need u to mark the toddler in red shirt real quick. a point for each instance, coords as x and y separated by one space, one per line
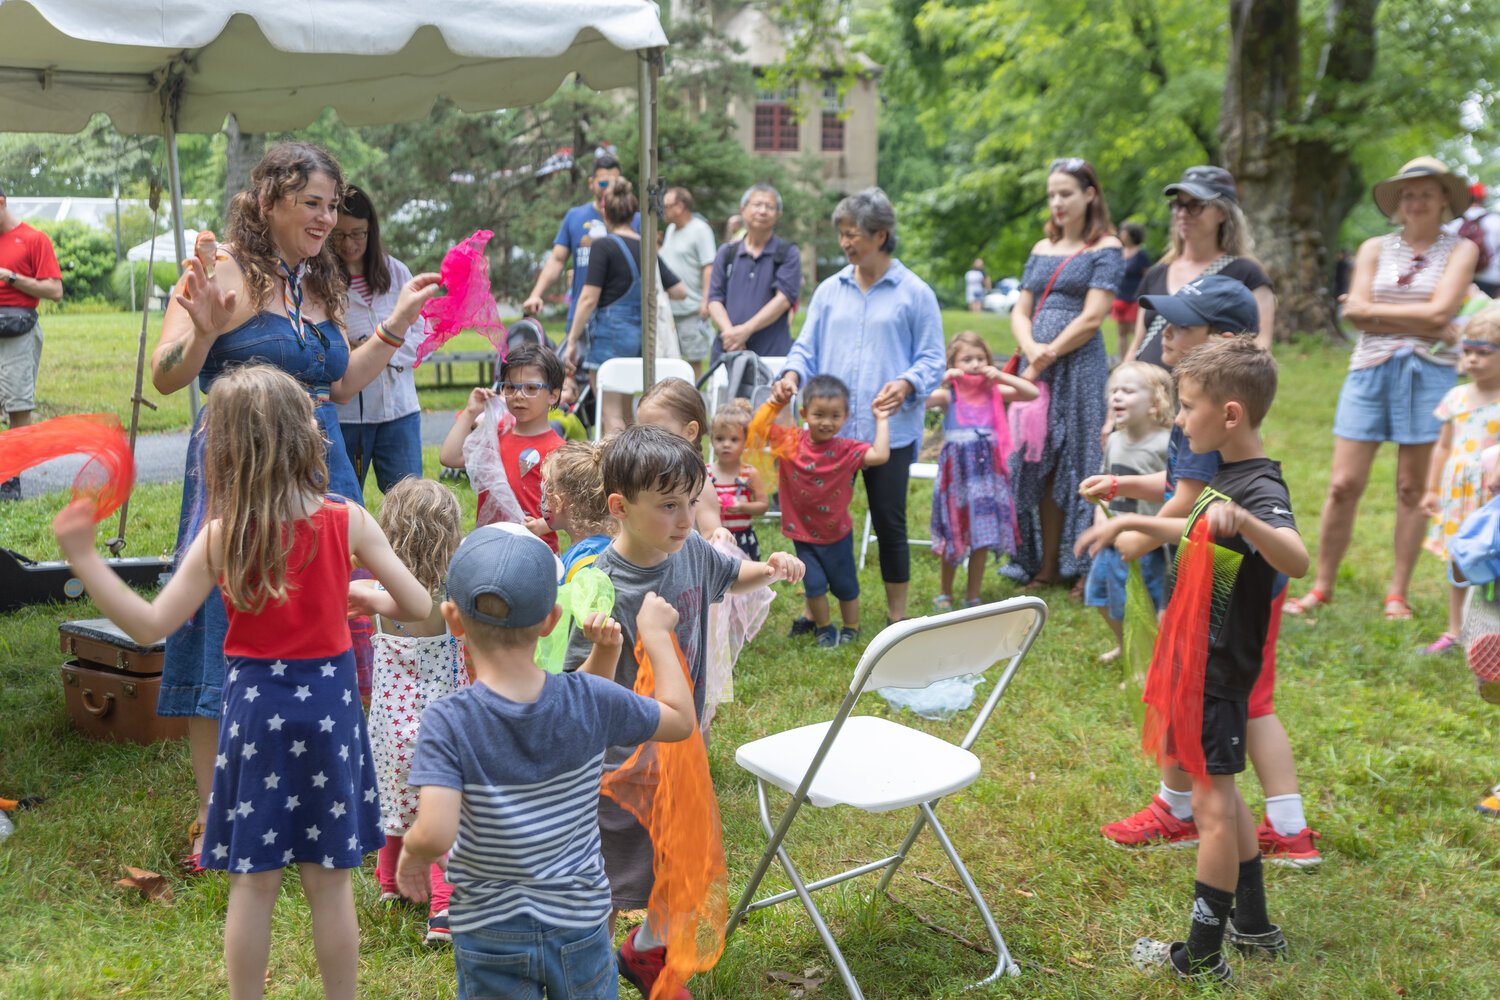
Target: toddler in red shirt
530 380
816 487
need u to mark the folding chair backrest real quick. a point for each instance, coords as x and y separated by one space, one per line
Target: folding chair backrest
920 651
627 375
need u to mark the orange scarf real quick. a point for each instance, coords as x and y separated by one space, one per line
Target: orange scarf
1174 685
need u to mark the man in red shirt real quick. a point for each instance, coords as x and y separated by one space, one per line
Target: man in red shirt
28 273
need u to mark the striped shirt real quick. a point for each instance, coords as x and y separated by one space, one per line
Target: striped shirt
528 829
1404 278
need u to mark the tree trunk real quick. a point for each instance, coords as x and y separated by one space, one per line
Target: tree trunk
1296 185
240 157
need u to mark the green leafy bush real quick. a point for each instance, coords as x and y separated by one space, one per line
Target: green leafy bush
86 257
165 275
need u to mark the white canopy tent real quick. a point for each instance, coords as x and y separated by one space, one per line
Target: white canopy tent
172 66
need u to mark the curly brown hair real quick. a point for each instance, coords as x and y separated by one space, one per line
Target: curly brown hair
572 474
284 170
424 524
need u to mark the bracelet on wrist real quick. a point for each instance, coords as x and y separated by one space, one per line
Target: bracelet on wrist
387 336
1114 488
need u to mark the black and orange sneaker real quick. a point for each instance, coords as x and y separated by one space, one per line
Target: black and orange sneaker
642 967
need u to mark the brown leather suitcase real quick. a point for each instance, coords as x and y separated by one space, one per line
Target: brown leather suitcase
100 642
107 704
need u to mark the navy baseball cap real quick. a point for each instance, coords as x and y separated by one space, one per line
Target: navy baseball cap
1217 300
513 564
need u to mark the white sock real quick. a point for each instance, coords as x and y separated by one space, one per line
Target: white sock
1181 803
645 940
1285 814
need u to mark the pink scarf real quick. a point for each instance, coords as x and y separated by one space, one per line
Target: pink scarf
977 402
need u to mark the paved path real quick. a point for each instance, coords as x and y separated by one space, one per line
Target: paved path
159 458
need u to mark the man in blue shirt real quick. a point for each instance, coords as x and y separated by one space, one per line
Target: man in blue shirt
581 226
755 282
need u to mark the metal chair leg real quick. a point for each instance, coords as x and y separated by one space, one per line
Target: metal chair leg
855 993
901 852
1004 964
773 846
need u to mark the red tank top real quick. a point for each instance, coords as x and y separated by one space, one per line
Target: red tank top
311 622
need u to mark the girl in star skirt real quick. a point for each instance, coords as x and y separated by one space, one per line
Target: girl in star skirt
293 778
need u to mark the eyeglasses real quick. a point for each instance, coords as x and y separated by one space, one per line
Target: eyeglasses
1192 209
526 390
354 236
1067 164
1410 274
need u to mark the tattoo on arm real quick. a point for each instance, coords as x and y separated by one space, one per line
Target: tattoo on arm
171 359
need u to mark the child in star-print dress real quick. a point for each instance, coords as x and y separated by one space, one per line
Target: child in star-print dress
416 662
293 778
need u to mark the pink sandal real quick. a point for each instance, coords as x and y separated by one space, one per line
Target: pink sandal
1442 644
1309 601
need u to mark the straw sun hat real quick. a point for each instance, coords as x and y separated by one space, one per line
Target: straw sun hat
1387 193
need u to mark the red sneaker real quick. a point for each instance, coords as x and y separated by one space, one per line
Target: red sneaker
1289 852
1153 826
642 967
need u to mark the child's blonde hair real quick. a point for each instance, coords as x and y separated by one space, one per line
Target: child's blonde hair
1157 383
734 415
424 524
1483 325
679 398
968 338
263 458
572 472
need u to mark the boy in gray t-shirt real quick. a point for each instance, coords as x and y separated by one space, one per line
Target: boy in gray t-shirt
652 478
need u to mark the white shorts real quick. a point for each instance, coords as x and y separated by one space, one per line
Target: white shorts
20 357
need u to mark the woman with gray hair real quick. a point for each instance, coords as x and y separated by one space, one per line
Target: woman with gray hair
876 326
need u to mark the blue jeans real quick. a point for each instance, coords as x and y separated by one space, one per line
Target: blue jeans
394 448
519 957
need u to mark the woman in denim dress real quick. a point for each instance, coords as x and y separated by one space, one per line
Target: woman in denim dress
271 295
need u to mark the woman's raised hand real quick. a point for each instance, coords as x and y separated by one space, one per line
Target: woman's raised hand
207 305
414 295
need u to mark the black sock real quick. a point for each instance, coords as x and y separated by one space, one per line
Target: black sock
1211 908
1250 899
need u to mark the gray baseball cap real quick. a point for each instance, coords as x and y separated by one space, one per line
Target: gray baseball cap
1205 183
513 564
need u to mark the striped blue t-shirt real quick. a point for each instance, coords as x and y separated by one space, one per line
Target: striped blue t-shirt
528 832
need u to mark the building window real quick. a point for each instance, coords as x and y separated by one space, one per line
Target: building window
833 132
776 121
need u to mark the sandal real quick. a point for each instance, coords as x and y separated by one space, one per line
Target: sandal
1309 601
1034 584
943 602
1442 644
1397 610
190 862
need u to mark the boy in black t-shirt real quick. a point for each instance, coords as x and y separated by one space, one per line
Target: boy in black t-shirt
1224 390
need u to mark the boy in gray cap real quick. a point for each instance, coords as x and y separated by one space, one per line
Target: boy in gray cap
508 773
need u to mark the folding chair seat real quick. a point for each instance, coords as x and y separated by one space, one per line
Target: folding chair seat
879 766
628 377
919 470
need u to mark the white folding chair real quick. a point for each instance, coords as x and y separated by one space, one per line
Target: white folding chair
877 765
628 377
919 470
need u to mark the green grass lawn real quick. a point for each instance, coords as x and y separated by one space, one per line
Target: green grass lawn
1393 751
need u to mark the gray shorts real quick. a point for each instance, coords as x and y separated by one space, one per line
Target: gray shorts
694 336
20 357
627 851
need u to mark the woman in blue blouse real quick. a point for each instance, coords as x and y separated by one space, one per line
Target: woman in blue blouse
273 294
876 326
1066 293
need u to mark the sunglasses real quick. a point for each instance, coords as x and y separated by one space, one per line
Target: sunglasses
1067 164
1192 209
1410 274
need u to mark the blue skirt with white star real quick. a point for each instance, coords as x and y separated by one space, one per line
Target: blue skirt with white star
294 781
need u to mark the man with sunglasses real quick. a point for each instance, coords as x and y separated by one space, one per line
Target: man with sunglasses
581 226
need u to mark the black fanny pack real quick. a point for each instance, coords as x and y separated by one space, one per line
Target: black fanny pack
16 320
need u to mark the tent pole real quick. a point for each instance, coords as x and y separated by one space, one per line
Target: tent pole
174 184
650 201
